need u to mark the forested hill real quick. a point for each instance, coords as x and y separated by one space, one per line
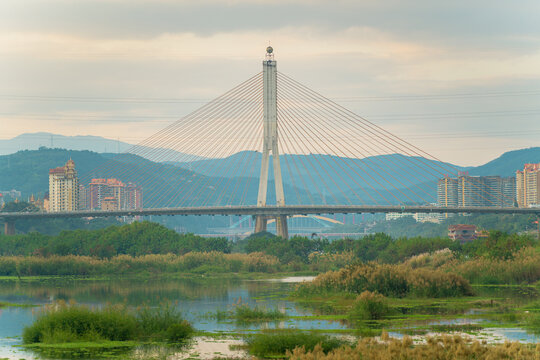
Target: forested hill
508 163
27 171
163 184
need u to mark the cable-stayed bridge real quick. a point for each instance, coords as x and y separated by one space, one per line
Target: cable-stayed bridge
273 148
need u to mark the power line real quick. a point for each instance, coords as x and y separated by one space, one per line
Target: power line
160 100
167 118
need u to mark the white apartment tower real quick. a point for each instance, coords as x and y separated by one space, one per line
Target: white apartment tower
64 188
528 185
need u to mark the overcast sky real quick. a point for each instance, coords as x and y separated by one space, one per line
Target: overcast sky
460 79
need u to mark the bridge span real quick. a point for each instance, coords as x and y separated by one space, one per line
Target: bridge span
267 211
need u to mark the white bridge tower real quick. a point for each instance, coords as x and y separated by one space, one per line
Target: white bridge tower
270 145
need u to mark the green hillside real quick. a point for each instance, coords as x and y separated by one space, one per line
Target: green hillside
508 163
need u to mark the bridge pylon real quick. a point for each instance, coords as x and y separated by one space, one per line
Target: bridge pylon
9 227
270 145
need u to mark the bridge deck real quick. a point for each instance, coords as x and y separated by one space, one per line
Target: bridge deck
271 211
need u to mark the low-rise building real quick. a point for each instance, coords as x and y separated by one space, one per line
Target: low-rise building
462 232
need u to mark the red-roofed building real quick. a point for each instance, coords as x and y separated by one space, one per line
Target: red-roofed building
462 232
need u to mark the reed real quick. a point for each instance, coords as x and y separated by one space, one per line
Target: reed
388 280
194 262
445 347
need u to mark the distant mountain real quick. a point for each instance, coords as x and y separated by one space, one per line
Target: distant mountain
162 184
34 141
508 163
308 179
317 172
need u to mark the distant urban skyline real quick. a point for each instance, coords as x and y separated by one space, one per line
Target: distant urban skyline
460 80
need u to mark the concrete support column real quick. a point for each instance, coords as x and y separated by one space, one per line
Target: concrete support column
260 223
9 227
282 229
538 226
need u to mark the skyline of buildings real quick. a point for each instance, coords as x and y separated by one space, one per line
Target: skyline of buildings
481 191
110 194
66 193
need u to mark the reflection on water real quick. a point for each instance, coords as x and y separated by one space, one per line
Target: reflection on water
197 298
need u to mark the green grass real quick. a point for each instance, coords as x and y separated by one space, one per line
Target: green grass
61 323
277 343
8 304
84 349
370 306
245 313
85 344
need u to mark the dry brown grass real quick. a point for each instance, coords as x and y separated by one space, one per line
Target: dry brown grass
389 280
524 267
330 261
443 348
203 262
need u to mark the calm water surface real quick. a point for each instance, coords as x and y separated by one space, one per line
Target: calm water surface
197 298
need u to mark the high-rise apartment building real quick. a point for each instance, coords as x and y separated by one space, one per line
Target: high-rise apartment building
508 185
64 188
133 196
447 194
118 195
528 185
82 197
481 191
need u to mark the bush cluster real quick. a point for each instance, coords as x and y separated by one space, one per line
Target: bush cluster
278 343
522 268
370 306
388 280
62 323
215 262
246 313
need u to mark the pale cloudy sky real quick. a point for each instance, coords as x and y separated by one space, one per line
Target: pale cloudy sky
460 79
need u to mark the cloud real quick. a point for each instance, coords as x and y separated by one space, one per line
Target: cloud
345 50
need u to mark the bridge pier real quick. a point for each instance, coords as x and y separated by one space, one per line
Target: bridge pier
282 229
260 223
9 227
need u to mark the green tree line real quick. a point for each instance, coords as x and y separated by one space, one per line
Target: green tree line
138 238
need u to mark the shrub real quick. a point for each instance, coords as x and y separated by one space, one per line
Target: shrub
155 322
388 280
179 332
370 306
244 313
278 343
523 267
61 323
